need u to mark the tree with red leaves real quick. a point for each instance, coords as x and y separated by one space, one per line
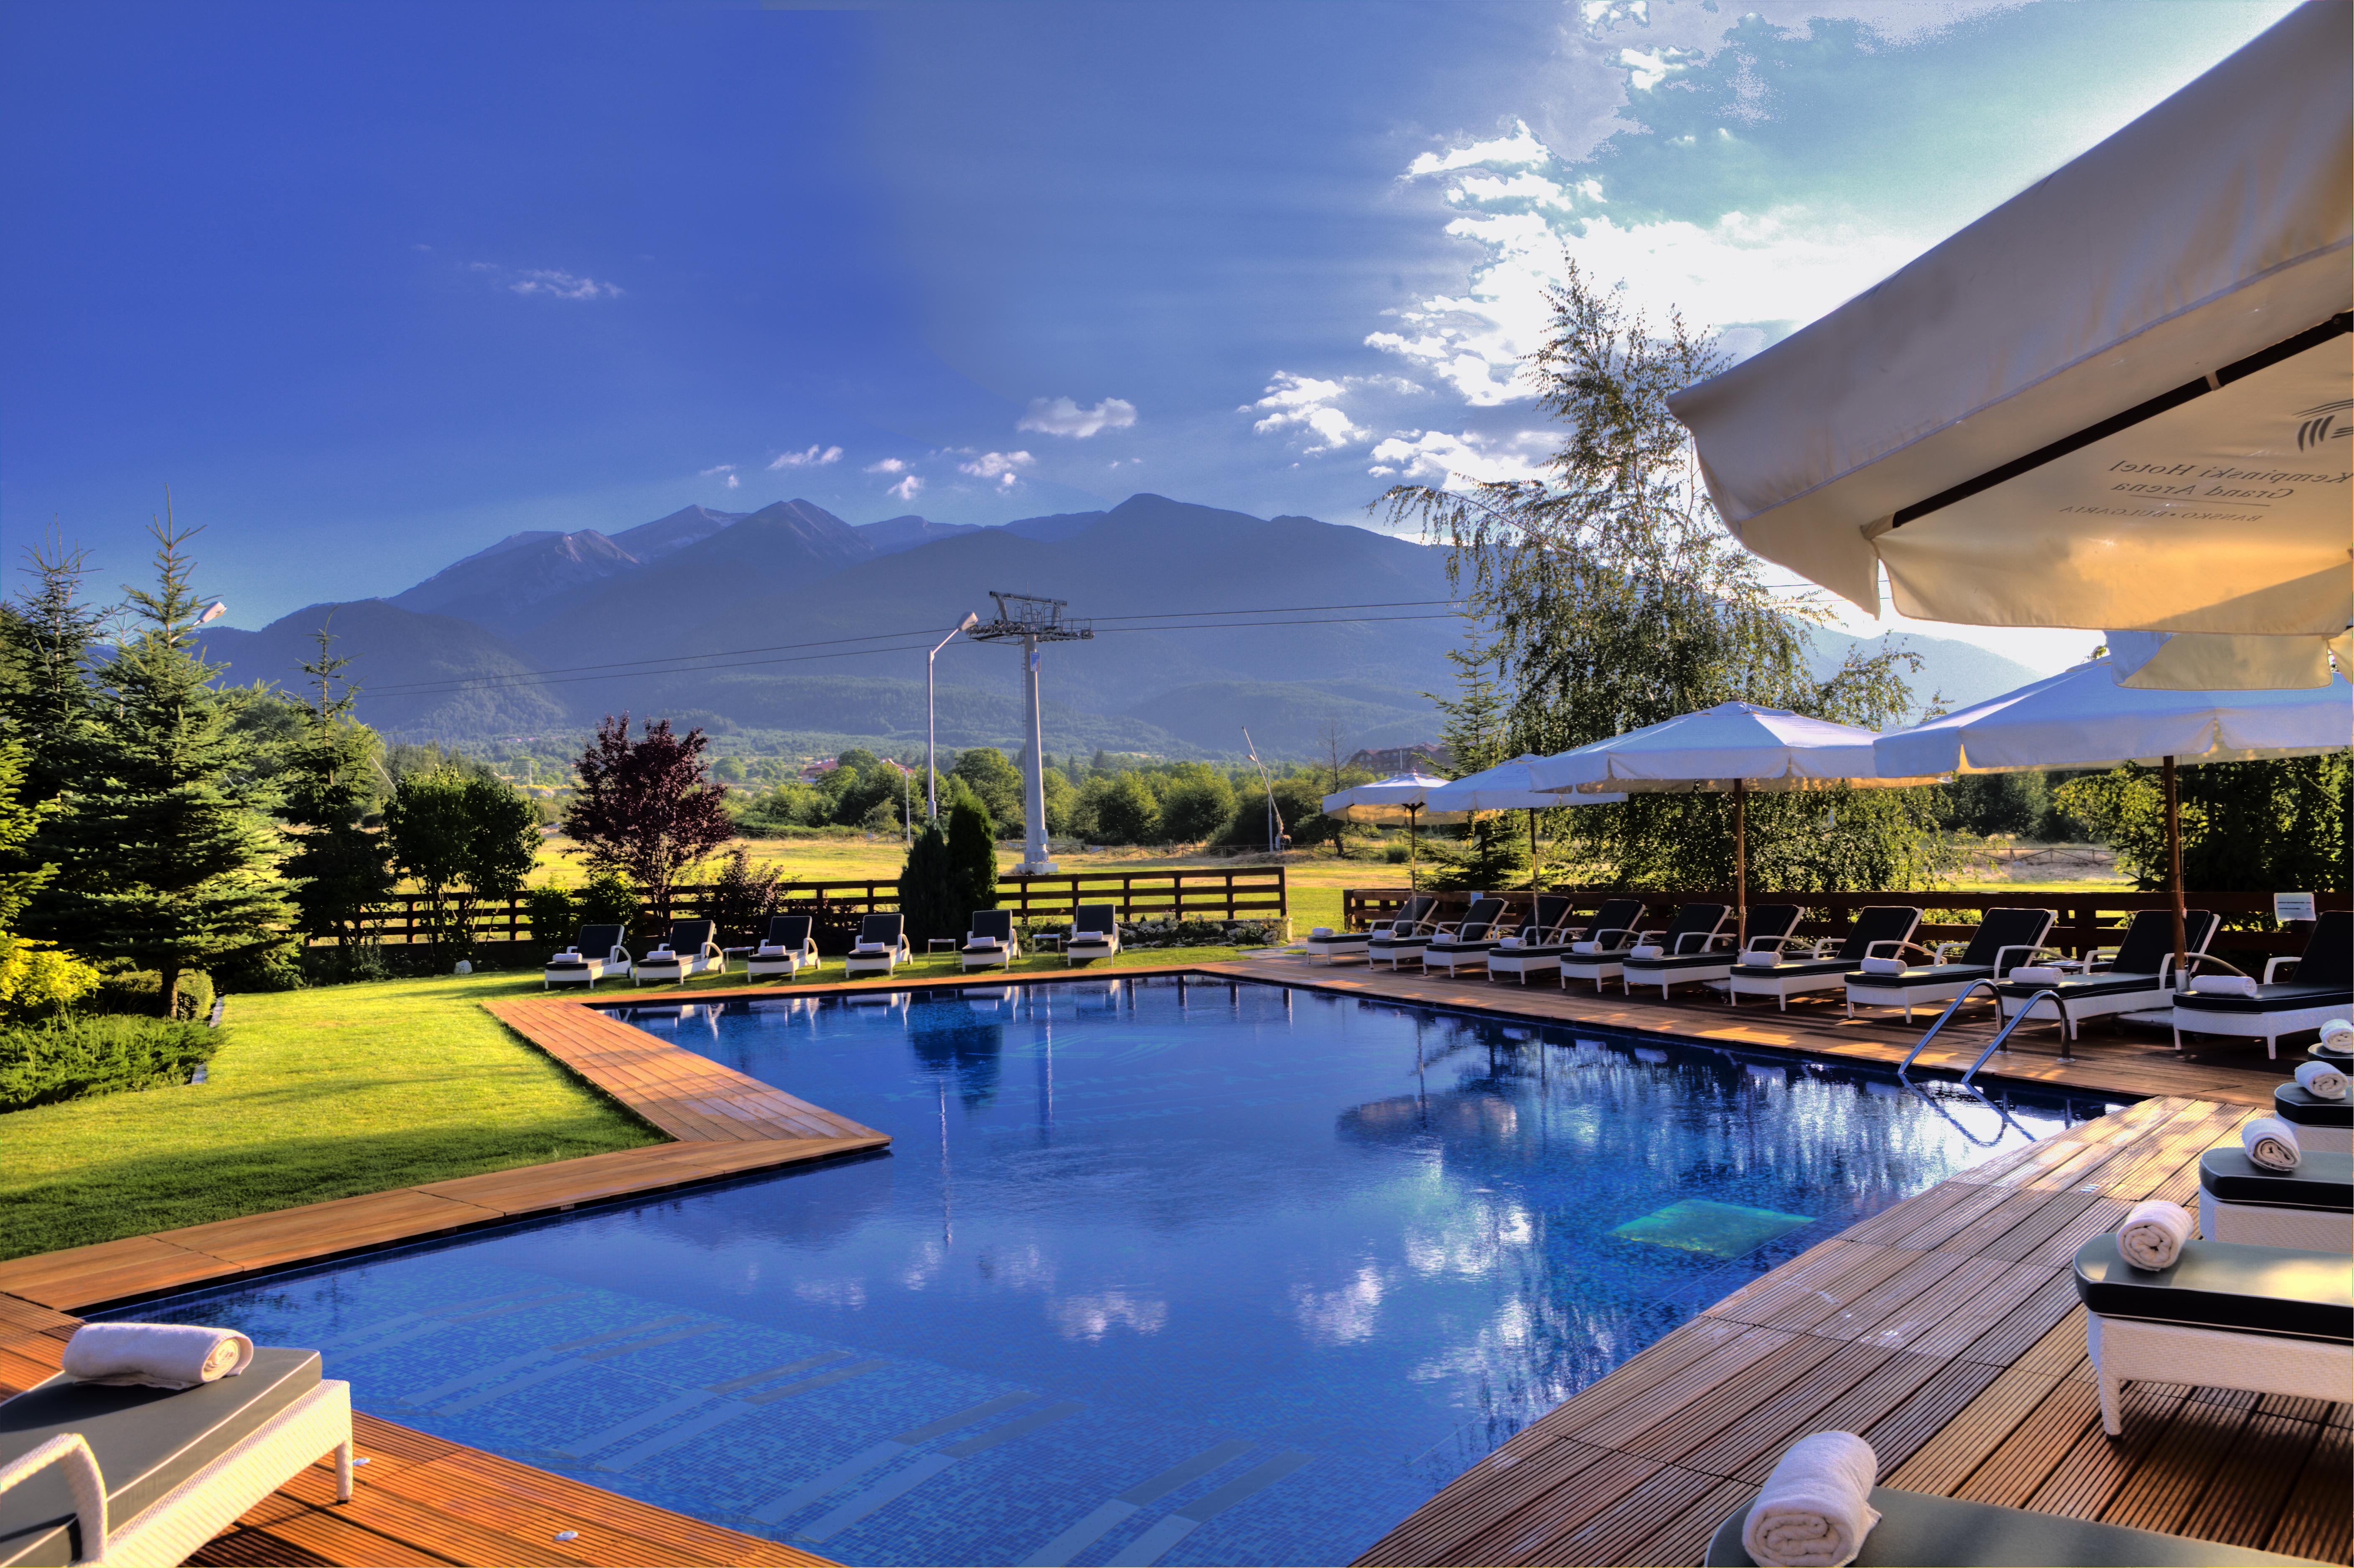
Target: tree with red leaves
648 808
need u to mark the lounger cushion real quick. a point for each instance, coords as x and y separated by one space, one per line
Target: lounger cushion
2294 1103
2323 1182
1925 974
1717 959
2106 984
1448 945
1797 967
2284 996
1927 1532
2224 1284
147 1441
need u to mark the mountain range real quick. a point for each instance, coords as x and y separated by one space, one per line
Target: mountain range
1204 621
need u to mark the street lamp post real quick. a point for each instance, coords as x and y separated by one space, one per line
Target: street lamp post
931 725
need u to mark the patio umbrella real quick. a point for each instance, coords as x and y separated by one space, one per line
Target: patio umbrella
1396 799
2083 718
1732 749
2118 400
1506 787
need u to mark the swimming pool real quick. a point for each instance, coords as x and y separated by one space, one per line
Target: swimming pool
1173 1271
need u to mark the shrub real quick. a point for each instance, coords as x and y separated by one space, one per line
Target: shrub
972 855
742 898
69 1058
553 911
37 980
607 898
133 991
930 889
1148 934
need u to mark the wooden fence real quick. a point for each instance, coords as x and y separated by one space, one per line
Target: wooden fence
1249 892
2088 920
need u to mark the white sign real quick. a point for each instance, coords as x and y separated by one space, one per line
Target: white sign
2287 907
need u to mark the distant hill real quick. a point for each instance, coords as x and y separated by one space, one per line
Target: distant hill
1953 672
1205 621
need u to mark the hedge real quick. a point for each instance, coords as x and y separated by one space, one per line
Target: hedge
69 1058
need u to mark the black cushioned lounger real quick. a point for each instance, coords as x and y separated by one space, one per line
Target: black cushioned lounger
1768 924
2308 1112
2005 939
2321 1181
1917 1530
147 1442
2140 978
2320 987
2216 1285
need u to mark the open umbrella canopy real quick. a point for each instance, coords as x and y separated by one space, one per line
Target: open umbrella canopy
1507 786
1712 750
1398 799
2119 399
2082 718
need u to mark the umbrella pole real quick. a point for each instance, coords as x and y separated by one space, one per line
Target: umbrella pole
1533 850
1412 881
2174 866
1740 861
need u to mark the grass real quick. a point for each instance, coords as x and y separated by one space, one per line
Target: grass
330 1093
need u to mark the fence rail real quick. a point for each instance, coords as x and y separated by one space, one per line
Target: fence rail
2088 920
1249 892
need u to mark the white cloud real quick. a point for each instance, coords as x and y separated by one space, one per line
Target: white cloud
1003 466
1646 70
815 457
1459 461
1310 407
562 285
906 489
1062 417
1519 148
726 467
888 465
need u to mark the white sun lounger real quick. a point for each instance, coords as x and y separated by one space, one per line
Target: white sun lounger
2311 1207
1095 934
596 953
786 951
989 943
2319 987
882 946
2139 978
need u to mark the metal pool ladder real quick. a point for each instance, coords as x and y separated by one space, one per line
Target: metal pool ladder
2067 1032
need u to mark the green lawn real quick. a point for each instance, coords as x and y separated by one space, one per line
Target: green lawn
326 1094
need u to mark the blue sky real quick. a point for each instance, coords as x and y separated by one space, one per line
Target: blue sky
369 287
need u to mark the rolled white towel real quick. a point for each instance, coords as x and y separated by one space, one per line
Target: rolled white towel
2321 1080
2271 1143
2154 1232
155 1355
1645 950
1586 947
1508 942
769 950
1883 966
871 947
2337 1036
2036 974
1322 931
1816 1507
2223 985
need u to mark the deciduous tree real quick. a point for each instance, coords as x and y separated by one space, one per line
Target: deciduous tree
463 838
647 807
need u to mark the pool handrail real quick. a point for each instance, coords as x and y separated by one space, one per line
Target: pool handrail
2058 1002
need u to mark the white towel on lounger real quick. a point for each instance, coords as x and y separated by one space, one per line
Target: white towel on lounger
1883 966
1586 947
1646 951
2321 1080
1322 931
2271 1143
1816 1507
2036 974
155 1355
2223 985
2153 1233
2337 1034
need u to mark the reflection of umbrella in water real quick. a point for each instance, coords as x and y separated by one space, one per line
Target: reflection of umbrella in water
1470 1118
950 1040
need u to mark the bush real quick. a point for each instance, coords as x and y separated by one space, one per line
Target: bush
607 898
742 898
1127 813
36 980
1148 934
360 963
552 914
41 1064
262 970
1195 805
1396 853
140 992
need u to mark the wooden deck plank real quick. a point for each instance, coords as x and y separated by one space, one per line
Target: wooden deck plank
2167 1486
2244 1500
2318 1517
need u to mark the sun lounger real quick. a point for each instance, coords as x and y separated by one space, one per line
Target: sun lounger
693 949
882 946
989 943
1539 943
2006 939
1693 929
1331 945
149 1475
1882 930
2139 977
1407 936
2319 986
2264 1318
2310 1208
1541 952
785 951
2325 1127
1467 945
1918 1531
1713 958
1095 934
594 954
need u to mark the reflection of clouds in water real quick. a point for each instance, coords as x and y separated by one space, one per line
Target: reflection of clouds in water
844 1293
1090 1318
1020 1268
923 1265
1341 1317
1476 1239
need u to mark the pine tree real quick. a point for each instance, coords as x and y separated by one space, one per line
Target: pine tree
46 638
169 860
973 853
339 868
930 888
1492 854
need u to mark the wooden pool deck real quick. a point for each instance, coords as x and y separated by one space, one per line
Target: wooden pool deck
1944 1328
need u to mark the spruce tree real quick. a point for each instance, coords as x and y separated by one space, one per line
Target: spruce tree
169 860
930 890
973 853
1490 855
339 868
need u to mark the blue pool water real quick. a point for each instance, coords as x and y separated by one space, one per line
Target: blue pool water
1157 1270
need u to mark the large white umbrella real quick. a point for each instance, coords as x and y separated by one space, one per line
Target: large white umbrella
2083 718
1507 786
1733 747
2118 400
1398 799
